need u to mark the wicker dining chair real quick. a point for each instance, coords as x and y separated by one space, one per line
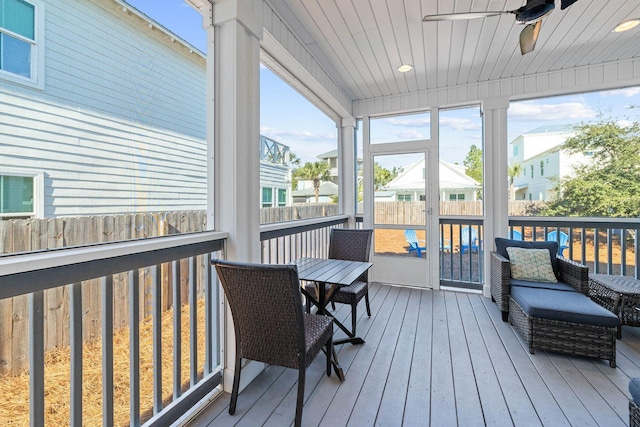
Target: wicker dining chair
269 323
350 245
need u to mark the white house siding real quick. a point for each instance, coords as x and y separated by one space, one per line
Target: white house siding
120 125
558 164
542 145
452 181
275 176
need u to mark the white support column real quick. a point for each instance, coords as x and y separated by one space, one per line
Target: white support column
347 175
238 28
496 191
236 133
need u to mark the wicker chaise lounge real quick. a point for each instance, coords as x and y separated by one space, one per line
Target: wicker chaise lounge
553 316
634 409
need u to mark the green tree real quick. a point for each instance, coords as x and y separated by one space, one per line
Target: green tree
513 171
609 185
294 162
382 176
316 172
473 163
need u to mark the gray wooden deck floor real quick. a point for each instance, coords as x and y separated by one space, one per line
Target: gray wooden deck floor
440 358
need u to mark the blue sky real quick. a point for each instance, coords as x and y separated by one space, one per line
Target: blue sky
288 118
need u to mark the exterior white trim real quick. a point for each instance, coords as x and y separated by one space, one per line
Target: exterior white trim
36 80
38 186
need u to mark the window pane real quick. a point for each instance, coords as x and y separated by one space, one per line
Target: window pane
412 127
310 170
461 161
17 16
17 194
15 55
282 197
398 178
267 197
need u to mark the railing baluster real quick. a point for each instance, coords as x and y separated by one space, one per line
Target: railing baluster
609 254
157 338
76 343
134 347
583 236
596 250
107 351
623 254
636 244
209 331
570 242
177 330
193 320
36 358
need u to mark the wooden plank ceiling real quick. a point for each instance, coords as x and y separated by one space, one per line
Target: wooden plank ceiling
362 42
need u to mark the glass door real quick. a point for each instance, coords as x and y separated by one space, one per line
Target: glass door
401 213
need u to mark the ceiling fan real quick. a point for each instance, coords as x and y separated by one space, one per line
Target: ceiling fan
530 14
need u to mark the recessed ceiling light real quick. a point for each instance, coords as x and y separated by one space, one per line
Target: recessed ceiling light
405 67
626 25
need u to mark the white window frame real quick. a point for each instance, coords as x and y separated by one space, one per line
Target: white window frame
37 52
38 191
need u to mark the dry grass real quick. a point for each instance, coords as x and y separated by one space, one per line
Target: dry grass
14 410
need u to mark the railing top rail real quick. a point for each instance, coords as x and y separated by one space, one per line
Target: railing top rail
70 265
472 220
575 222
279 229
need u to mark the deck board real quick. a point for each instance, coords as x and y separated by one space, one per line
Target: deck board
439 358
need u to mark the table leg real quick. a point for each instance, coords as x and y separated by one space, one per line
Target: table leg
323 301
336 366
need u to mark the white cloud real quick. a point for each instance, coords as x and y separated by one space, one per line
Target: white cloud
546 112
627 93
408 134
412 122
459 124
279 134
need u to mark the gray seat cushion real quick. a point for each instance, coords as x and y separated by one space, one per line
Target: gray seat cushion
571 307
502 245
634 389
542 285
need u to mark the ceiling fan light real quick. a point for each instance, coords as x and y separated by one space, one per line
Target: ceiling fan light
405 68
626 25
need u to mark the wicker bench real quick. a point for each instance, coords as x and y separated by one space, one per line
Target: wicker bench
556 317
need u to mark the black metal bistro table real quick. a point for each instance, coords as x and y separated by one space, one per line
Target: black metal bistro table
335 273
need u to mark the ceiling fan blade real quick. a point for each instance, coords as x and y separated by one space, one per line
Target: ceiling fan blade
529 36
462 15
566 3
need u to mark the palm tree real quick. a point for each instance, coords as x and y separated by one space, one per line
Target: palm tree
513 171
318 172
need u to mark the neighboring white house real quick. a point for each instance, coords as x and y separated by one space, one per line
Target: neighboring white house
275 174
306 193
408 186
543 163
331 157
107 117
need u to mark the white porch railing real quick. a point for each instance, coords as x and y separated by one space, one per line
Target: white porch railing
34 274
